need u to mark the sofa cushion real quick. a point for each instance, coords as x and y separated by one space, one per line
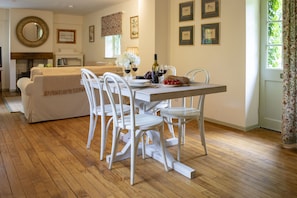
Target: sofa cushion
98 70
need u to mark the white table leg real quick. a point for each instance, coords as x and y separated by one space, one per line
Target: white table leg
153 151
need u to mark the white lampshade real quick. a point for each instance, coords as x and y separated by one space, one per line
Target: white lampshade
133 50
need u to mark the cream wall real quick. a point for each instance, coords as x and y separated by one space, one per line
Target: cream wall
154 32
15 16
94 51
4 43
230 63
9 42
68 22
147 34
234 62
54 22
252 68
162 31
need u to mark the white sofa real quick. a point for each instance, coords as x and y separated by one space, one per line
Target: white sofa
56 93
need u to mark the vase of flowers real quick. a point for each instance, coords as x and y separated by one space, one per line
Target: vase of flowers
129 61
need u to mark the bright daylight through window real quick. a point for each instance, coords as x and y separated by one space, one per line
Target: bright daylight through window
112 46
274 34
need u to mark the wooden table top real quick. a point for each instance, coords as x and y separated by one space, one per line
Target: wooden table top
159 92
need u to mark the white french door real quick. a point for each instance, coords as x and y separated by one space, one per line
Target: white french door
271 99
271 68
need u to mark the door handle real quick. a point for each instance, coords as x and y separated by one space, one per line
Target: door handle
281 75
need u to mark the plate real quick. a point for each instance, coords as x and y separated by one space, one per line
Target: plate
139 81
171 85
140 85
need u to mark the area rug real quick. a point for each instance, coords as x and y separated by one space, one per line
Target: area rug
14 104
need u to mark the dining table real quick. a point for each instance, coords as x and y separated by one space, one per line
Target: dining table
147 97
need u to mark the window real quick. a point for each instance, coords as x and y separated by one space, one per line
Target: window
274 34
112 46
111 30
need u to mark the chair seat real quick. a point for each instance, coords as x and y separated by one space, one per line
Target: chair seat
143 121
108 109
178 112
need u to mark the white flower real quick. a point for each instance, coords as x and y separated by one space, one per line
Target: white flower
128 58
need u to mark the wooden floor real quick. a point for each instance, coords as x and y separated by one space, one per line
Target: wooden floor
50 159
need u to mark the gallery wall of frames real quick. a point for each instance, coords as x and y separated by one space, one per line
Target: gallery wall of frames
210 32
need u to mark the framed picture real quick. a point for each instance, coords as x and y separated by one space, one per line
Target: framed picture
91 33
186 35
210 8
66 36
186 11
134 28
210 33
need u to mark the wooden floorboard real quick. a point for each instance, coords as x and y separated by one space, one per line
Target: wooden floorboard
50 159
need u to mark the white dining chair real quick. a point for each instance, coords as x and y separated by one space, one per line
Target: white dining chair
179 116
136 123
98 107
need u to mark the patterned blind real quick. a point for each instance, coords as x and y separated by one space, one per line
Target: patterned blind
111 24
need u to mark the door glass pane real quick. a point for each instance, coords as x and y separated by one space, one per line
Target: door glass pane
275 57
274 33
274 10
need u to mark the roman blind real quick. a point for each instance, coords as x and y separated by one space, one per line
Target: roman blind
111 24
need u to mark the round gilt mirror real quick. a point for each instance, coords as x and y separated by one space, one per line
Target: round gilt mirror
32 31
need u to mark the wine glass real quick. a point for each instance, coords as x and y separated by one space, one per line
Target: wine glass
165 68
134 68
127 70
161 72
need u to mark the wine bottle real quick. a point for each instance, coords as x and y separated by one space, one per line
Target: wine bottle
155 68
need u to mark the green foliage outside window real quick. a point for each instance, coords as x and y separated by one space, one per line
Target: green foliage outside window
274 42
